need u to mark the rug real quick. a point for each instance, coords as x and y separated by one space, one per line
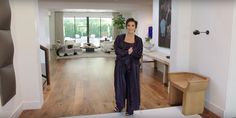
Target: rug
169 112
84 54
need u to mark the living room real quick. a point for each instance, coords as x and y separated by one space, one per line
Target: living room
182 13
54 18
212 55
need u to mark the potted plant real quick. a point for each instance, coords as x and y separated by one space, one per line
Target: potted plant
119 22
149 44
148 39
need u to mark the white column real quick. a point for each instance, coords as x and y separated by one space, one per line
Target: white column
230 95
25 20
180 35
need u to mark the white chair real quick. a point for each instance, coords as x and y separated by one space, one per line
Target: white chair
69 47
77 48
107 46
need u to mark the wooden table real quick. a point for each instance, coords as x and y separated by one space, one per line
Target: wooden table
158 57
89 48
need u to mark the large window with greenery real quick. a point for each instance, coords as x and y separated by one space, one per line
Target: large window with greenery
94 27
106 28
81 29
69 29
75 28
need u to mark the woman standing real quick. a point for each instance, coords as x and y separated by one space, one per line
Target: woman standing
128 49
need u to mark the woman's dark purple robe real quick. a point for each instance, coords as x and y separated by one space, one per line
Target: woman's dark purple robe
126 73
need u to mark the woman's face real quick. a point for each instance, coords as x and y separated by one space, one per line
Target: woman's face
131 27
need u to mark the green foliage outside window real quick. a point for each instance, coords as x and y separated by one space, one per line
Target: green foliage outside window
95 27
69 28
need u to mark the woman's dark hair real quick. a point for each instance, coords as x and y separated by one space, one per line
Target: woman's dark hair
131 20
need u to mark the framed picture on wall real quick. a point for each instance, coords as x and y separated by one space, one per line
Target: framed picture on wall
164 23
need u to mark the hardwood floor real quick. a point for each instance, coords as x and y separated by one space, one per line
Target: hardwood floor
85 86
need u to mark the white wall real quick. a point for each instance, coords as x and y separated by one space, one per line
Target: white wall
61 5
180 35
230 95
27 49
52 28
26 59
143 13
89 14
209 54
44 29
144 18
44 35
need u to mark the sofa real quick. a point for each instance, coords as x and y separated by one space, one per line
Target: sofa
70 47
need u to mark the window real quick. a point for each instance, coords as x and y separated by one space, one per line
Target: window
69 31
106 28
81 29
94 31
75 28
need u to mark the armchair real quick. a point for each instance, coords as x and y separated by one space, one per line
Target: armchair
189 89
107 46
69 48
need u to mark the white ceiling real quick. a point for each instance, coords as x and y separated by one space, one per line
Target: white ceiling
102 5
149 2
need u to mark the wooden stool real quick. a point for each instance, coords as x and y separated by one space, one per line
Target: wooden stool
188 89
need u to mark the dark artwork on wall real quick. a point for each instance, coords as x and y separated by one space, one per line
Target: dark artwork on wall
7 74
164 23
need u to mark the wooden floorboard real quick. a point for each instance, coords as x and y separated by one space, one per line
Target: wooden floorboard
85 86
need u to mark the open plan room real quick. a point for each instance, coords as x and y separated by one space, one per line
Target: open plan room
117 58
85 86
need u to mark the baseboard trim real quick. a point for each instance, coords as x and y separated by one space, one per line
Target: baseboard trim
25 106
215 109
17 112
31 105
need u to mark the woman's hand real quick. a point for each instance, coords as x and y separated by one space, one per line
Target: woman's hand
130 50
